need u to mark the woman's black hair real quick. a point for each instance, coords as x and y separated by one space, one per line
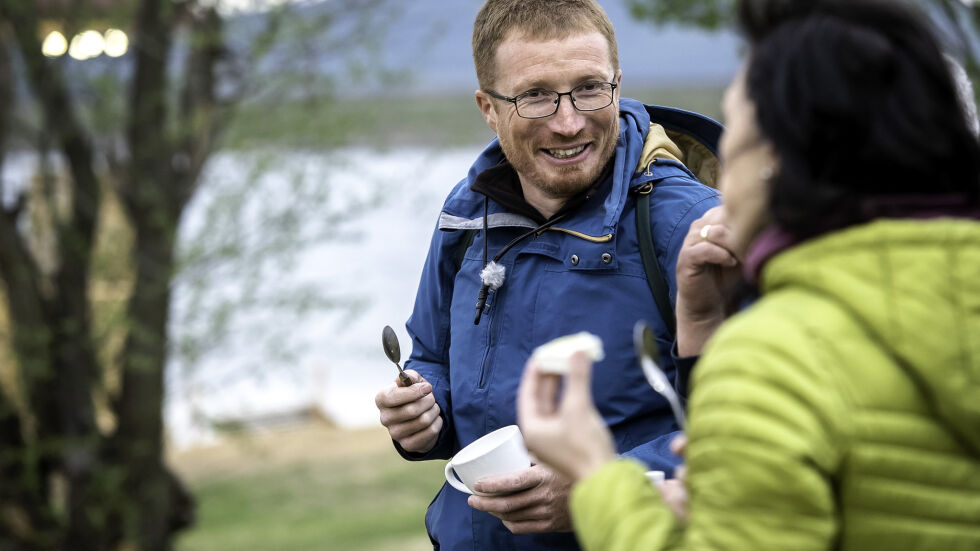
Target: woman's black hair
859 104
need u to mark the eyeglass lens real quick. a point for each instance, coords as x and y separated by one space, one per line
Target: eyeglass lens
587 97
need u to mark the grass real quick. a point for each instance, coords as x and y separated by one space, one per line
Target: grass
365 500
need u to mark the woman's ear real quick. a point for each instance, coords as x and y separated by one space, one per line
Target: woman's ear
770 163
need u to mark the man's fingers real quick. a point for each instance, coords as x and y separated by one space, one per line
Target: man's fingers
395 396
406 412
519 506
422 440
414 376
509 483
418 423
530 527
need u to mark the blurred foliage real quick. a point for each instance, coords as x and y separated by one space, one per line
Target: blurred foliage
707 14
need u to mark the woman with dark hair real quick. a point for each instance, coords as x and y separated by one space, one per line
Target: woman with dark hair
842 409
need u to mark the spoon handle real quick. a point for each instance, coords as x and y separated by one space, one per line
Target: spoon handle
403 379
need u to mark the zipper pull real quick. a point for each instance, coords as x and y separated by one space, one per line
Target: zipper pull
481 303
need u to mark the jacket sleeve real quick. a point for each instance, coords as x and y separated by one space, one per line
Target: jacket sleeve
684 367
428 328
761 458
618 508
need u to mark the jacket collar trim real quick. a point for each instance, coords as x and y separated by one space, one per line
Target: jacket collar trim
508 220
495 220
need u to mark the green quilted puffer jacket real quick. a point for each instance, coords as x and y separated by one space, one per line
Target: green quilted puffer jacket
840 411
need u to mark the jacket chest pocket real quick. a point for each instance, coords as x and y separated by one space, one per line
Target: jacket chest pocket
607 304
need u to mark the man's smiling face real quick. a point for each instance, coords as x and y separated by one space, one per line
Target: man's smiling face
561 155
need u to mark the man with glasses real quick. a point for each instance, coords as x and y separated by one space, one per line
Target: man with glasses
542 238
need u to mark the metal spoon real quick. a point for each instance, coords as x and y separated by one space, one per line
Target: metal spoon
389 341
645 343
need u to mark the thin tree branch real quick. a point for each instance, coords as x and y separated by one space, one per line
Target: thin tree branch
198 105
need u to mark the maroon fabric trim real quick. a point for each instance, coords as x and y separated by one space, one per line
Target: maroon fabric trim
770 242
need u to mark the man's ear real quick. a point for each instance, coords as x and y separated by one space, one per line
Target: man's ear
485 103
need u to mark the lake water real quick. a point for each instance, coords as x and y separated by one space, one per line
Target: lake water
337 363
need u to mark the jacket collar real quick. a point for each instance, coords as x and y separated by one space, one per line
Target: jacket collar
502 184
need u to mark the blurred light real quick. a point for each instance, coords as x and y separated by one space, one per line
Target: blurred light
116 43
54 45
86 45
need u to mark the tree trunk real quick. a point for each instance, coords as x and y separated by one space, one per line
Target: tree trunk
158 504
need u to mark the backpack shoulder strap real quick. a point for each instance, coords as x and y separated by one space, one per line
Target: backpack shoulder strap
464 243
655 276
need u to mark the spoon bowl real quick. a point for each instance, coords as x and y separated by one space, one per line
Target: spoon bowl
389 341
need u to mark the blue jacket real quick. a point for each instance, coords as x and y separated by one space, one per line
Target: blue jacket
475 369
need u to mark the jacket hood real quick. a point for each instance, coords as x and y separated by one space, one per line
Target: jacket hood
915 287
682 140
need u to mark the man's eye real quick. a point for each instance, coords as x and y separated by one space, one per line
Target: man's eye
589 87
534 94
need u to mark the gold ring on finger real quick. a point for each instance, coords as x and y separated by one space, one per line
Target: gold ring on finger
705 231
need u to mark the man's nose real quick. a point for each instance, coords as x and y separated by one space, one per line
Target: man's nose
567 121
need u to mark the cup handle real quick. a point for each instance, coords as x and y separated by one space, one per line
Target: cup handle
454 481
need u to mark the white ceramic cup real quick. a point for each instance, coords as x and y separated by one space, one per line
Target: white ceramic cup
499 452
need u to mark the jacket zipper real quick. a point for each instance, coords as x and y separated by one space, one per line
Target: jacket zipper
486 353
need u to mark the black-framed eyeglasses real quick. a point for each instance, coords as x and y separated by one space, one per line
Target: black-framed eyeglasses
537 104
